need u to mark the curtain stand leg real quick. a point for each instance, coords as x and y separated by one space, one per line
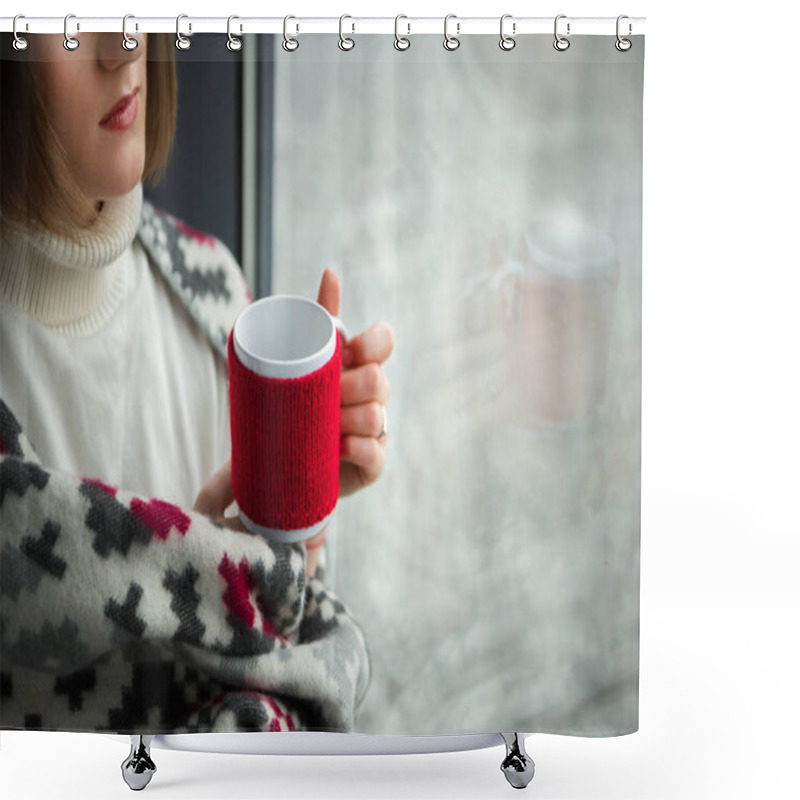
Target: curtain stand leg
138 768
517 766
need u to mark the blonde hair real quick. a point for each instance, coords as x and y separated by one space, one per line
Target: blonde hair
37 188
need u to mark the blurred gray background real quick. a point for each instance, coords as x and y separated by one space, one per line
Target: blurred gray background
488 206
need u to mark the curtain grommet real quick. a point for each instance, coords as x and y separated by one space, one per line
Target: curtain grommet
622 44
233 44
70 42
401 43
20 42
451 43
346 43
290 44
181 42
129 43
507 42
561 43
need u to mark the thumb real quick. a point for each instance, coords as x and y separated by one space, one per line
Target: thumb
328 296
216 495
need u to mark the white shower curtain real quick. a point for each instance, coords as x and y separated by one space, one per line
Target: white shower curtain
484 203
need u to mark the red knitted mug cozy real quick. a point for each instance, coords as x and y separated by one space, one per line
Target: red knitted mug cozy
285 436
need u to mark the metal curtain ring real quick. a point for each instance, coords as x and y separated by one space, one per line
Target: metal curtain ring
181 42
623 45
289 44
70 42
20 42
451 42
128 42
561 43
507 42
345 42
234 44
400 42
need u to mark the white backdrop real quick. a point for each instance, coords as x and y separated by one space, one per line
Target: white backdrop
720 600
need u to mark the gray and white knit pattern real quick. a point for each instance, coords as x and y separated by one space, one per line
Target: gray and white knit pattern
199 268
128 614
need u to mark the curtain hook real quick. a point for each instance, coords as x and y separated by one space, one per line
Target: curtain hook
623 45
561 43
289 44
181 42
234 44
70 42
451 42
128 42
507 42
400 42
345 42
20 42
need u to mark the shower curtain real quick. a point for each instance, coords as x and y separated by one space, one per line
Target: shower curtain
484 206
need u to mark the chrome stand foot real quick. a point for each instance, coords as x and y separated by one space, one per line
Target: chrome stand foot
517 766
138 768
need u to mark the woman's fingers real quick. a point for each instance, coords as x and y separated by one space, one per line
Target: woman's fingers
362 462
364 394
234 523
365 419
329 292
375 344
364 384
216 495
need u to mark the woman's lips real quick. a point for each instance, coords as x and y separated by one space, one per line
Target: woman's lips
123 114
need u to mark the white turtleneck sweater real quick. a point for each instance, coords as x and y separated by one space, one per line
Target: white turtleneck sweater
102 365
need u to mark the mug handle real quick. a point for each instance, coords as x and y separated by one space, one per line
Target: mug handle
340 326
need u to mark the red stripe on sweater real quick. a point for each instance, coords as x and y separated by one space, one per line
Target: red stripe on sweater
280 714
193 233
161 517
237 593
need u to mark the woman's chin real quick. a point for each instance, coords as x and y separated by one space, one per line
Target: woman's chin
109 190
112 174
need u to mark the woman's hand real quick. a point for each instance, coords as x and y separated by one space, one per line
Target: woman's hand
364 395
216 497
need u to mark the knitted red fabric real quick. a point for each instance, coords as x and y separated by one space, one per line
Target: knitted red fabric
285 443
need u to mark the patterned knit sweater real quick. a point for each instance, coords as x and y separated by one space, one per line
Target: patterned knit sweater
126 613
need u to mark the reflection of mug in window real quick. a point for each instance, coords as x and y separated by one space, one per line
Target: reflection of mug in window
559 329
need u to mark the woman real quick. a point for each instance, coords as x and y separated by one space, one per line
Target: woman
121 608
